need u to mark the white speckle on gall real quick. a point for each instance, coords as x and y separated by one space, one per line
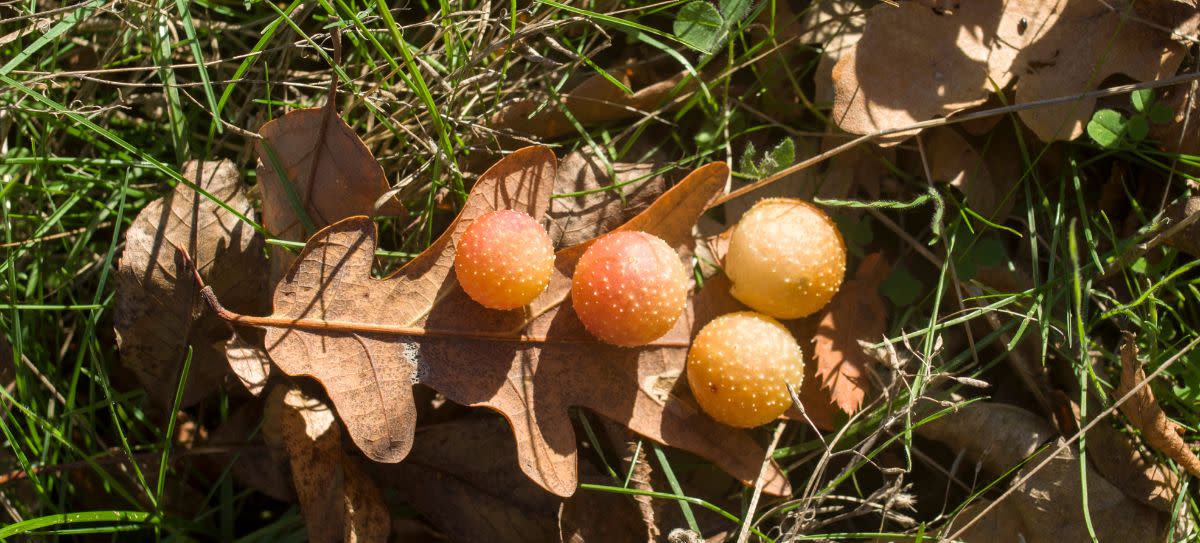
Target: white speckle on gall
629 288
786 258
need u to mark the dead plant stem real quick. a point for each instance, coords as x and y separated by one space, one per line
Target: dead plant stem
805 164
744 532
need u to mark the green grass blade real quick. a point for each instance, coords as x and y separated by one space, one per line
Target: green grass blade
30 525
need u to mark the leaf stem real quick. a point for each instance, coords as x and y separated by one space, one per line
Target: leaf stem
210 297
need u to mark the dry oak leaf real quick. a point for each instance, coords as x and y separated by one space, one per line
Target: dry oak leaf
330 175
367 340
576 219
856 313
1138 476
340 502
595 100
1145 414
1012 434
1047 507
156 313
913 64
836 25
469 496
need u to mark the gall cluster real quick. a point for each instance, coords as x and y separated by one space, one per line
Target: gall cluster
786 260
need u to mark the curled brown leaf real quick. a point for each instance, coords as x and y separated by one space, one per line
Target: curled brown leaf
1145 414
249 362
314 169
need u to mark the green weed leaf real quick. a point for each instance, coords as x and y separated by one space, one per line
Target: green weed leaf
733 11
699 25
901 287
1137 128
1106 128
1161 114
746 164
782 156
1142 99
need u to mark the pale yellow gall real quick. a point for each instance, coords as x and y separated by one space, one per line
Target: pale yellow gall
786 258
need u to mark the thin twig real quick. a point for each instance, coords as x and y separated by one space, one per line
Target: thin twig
1099 93
744 533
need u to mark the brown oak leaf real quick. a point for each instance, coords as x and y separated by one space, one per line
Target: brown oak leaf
367 340
1138 476
155 318
1047 507
914 63
330 175
855 314
576 219
954 161
1144 413
836 25
467 495
340 502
